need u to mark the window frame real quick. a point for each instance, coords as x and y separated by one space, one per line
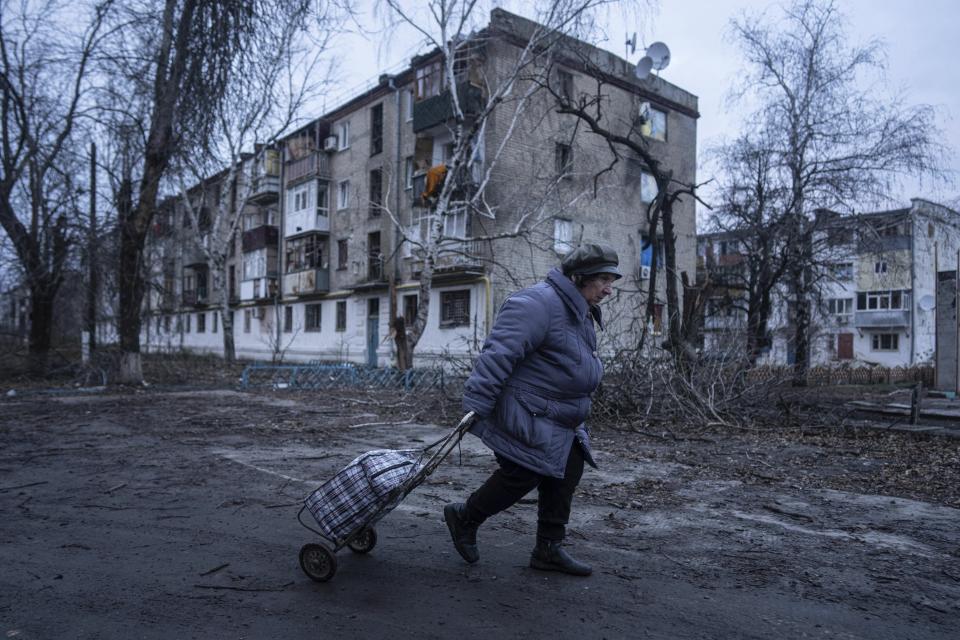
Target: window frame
563 159
877 340
647 182
343 194
343 135
313 317
375 178
341 321
376 129
649 128
451 316
562 241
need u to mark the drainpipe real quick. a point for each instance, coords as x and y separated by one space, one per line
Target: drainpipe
489 307
393 305
281 243
913 291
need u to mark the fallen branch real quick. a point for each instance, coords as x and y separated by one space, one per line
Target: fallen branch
24 486
252 589
215 569
379 424
789 514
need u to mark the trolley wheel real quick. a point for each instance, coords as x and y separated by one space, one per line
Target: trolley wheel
364 542
318 562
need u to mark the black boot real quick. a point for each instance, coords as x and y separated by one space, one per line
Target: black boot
549 555
462 530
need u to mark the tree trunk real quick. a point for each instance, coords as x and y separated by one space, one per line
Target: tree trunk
93 284
41 326
222 285
678 346
133 230
229 345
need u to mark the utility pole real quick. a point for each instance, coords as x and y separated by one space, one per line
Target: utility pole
91 319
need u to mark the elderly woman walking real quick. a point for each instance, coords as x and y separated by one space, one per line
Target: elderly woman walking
530 389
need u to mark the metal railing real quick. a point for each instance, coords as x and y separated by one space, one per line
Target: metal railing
339 376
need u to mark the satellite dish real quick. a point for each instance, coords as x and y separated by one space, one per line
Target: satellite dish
927 303
632 43
660 54
644 65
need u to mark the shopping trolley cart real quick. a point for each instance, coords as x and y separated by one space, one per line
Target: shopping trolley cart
347 505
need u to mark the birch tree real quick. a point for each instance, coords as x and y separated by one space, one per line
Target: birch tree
260 106
452 30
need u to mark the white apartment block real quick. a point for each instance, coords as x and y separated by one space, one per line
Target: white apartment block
321 256
876 301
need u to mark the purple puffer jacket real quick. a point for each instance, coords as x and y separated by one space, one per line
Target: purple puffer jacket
532 382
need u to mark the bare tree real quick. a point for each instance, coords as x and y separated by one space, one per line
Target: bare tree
834 141
44 82
507 91
627 144
178 57
260 105
751 210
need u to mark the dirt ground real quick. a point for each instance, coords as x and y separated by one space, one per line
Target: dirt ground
165 513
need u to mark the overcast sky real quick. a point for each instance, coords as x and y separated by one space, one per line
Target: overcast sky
919 36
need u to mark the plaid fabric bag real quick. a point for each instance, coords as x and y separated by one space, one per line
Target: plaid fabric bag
360 493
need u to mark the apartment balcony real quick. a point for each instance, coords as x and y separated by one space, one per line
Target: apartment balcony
724 323
195 298
456 258
307 221
467 181
313 165
167 301
883 244
885 319
258 289
437 110
730 259
266 235
306 283
265 189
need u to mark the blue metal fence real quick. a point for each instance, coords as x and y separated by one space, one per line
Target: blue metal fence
339 376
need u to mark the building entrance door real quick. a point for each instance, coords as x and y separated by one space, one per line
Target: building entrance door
845 346
373 330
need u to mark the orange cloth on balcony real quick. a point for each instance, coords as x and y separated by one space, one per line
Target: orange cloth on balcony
435 176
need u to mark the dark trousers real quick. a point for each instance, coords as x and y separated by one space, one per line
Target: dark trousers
511 482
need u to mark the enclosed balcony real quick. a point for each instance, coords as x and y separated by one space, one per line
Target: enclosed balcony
258 289
265 189
437 110
887 318
260 237
306 283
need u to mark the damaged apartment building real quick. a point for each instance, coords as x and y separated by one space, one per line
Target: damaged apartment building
875 301
336 215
